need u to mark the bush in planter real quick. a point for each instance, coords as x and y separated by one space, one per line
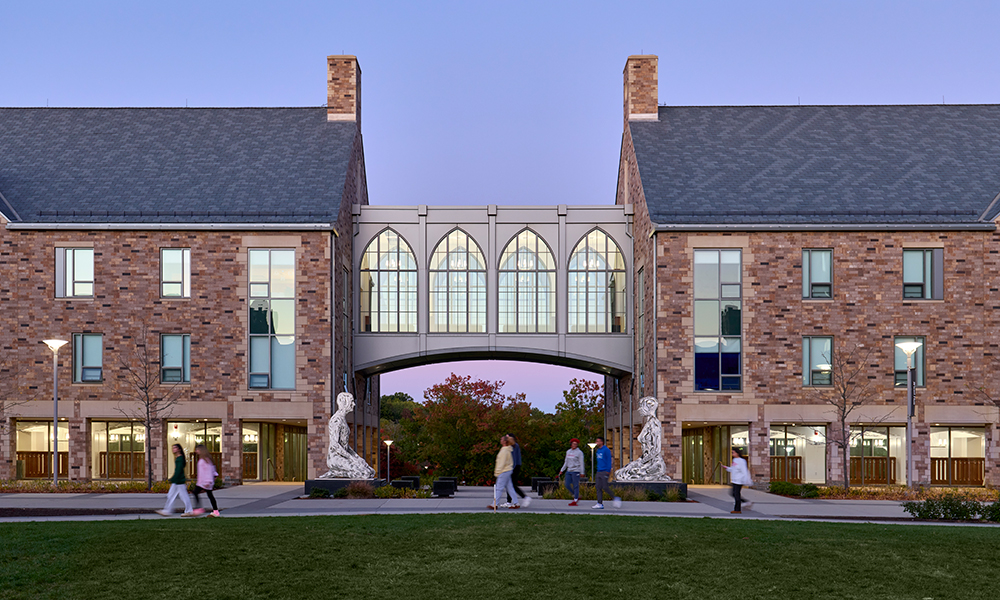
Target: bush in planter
949 507
318 492
359 490
809 490
783 488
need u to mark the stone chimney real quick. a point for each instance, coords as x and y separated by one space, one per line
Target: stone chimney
641 90
343 89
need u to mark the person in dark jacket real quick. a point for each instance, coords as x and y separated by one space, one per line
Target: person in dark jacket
603 456
178 485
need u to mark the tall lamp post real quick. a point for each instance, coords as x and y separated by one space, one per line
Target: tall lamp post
54 346
388 463
909 349
592 446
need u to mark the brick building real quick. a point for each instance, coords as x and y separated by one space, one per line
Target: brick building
780 254
224 236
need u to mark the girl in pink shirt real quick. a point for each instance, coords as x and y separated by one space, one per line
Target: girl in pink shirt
205 480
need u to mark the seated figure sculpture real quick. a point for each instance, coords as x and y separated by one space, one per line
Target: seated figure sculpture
649 466
341 460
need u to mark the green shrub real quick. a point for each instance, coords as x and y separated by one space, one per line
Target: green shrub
628 493
82 487
783 488
318 492
388 491
991 511
949 507
809 490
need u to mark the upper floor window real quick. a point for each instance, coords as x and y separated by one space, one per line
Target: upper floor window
717 319
640 328
527 285
817 273
74 272
175 272
596 286
175 358
817 361
900 361
923 274
388 293
87 358
272 318
458 285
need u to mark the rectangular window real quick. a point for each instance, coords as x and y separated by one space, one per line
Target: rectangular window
817 361
923 274
74 272
272 318
798 453
87 356
345 307
900 361
817 273
640 328
958 455
717 319
175 358
175 272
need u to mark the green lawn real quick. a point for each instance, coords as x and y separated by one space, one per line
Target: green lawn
494 556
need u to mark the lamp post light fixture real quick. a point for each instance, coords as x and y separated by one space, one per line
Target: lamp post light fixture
388 464
54 346
592 446
909 349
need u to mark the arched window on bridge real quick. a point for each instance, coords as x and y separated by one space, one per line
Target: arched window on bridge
527 286
458 285
596 285
388 285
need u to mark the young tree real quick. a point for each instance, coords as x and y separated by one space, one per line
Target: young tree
141 395
850 389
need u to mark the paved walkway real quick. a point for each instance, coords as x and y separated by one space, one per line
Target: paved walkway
281 499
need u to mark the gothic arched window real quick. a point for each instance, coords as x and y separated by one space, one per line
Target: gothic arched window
527 285
388 285
596 286
457 285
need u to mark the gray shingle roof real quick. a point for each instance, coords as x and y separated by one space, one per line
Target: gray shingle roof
926 164
173 165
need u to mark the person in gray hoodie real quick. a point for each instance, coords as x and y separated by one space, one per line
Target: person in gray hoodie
573 467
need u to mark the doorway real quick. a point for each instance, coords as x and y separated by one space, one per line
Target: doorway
703 447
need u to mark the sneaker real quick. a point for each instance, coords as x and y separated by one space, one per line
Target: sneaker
491 507
526 501
735 512
513 506
617 502
189 514
505 505
164 513
598 505
215 513
748 505
573 503
199 511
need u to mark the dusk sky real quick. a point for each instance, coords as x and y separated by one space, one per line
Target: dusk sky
503 103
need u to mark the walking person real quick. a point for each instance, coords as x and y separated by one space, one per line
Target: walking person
516 455
178 485
205 480
573 467
603 457
503 470
739 476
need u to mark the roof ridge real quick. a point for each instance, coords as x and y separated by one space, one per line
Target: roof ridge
823 105
159 107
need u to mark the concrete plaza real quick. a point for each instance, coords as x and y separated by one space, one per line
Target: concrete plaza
281 500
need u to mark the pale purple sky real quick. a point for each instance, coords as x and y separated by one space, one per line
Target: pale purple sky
500 103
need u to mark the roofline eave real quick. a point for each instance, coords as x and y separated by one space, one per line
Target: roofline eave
178 226
695 227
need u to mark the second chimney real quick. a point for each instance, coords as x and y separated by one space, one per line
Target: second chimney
343 89
641 90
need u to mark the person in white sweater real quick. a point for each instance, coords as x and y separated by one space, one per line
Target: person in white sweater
573 467
503 470
739 476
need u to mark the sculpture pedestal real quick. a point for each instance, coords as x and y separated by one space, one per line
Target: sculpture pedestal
332 485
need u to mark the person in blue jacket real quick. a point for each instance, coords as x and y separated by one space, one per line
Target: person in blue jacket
603 456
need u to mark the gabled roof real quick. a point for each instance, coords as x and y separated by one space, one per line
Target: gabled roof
173 165
826 165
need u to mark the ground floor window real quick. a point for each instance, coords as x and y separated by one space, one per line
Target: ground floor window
878 455
33 446
958 455
190 434
117 450
703 448
798 453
